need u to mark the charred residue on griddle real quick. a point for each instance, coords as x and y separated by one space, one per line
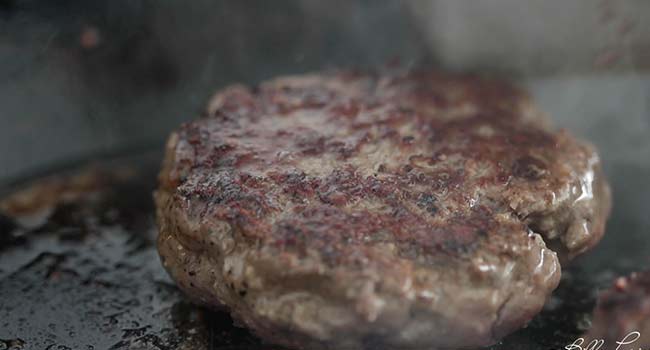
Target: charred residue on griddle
90 271
8 232
12 344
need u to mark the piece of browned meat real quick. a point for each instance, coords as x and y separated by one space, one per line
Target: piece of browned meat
623 314
347 210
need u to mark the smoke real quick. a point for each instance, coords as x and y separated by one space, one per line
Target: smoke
537 37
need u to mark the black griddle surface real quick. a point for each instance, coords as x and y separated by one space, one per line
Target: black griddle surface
89 277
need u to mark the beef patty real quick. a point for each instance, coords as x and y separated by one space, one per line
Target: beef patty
347 210
623 314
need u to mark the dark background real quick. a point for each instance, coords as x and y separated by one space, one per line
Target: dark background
154 63
81 77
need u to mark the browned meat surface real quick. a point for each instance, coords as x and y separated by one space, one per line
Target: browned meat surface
349 210
623 314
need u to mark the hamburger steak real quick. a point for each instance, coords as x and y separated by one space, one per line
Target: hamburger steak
351 210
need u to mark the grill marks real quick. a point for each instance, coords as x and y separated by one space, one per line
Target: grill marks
344 209
331 231
424 147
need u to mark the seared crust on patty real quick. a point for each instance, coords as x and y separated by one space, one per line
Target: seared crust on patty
407 210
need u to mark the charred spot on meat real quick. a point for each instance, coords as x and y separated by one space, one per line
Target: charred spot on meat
416 210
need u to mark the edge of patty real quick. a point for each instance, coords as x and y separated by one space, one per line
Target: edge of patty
343 309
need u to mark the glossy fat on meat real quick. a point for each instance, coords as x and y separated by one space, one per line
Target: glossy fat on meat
406 210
